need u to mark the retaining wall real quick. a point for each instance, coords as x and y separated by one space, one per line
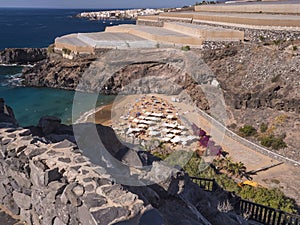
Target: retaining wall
53 184
251 8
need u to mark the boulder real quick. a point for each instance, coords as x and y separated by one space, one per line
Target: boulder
22 200
7 114
49 124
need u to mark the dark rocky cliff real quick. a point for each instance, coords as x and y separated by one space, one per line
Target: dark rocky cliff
22 56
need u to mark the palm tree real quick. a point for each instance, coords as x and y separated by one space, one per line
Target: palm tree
241 169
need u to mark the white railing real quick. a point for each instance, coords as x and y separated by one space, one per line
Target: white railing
248 143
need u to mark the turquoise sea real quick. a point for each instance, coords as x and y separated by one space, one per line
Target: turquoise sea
39 28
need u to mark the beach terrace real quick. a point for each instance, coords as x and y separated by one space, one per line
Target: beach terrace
153 119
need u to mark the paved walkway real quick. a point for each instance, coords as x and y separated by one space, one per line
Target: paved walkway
287 175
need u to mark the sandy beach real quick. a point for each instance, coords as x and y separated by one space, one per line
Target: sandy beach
102 115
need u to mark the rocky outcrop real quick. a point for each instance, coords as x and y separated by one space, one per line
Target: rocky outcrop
256 77
57 72
22 56
47 182
249 77
6 114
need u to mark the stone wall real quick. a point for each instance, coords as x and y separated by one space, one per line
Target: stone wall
55 184
259 34
251 34
151 23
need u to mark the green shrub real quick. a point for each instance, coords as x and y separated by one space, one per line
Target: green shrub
50 49
247 131
295 48
192 167
262 38
263 127
269 197
277 42
66 51
273 142
186 48
159 155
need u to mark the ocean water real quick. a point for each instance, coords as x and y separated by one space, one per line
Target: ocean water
38 28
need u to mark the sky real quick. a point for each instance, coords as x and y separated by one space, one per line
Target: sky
94 3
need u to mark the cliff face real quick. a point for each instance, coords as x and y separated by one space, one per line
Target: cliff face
259 83
49 181
22 56
57 72
256 77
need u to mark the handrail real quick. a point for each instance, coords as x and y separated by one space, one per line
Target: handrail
250 144
267 215
254 211
205 183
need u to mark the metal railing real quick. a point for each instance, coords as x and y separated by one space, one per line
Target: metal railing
257 212
267 215
205 183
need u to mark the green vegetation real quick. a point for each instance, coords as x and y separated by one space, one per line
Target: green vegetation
66 51
269 197
160 155
262 38
277 42
263 127
186 48
247 131
295 48
273 142
50 49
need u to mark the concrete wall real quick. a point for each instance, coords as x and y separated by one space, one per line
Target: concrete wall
76 49
206 32
251 8
156 36
255 20
255 35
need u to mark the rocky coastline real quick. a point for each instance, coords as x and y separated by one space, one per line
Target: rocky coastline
22 56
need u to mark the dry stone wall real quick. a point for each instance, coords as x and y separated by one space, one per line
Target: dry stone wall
55 184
